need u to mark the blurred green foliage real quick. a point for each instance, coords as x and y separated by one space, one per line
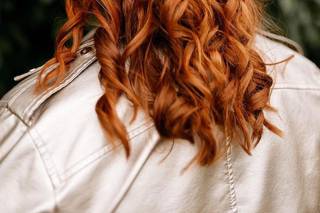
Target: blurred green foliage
28 28
300 21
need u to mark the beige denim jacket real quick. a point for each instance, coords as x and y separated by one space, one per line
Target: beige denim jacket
54 156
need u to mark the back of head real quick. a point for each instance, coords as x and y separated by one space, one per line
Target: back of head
192 67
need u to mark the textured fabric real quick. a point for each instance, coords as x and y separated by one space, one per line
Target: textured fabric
54 156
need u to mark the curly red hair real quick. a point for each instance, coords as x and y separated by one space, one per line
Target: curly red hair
193 68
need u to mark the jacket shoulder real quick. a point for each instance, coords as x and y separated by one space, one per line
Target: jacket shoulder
22 101
298 72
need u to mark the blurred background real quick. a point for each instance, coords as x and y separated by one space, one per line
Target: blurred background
28 28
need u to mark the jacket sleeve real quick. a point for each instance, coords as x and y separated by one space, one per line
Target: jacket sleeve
25 185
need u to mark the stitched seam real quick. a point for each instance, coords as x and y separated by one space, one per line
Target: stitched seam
46 157
296 85
132 134
20 89
297 88
23 86
50 91
78 69
3 103
34 142
51 68
133 174
140 129
79 166
15 114
46 171
230 178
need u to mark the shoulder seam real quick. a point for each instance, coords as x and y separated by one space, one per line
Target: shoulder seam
29 110
45 156
25 112
16 115
17 90
26 132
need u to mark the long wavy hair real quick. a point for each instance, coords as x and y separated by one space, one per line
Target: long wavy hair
193 67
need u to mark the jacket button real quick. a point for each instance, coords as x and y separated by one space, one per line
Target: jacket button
85 50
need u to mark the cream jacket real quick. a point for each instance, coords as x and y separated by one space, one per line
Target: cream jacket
54 156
